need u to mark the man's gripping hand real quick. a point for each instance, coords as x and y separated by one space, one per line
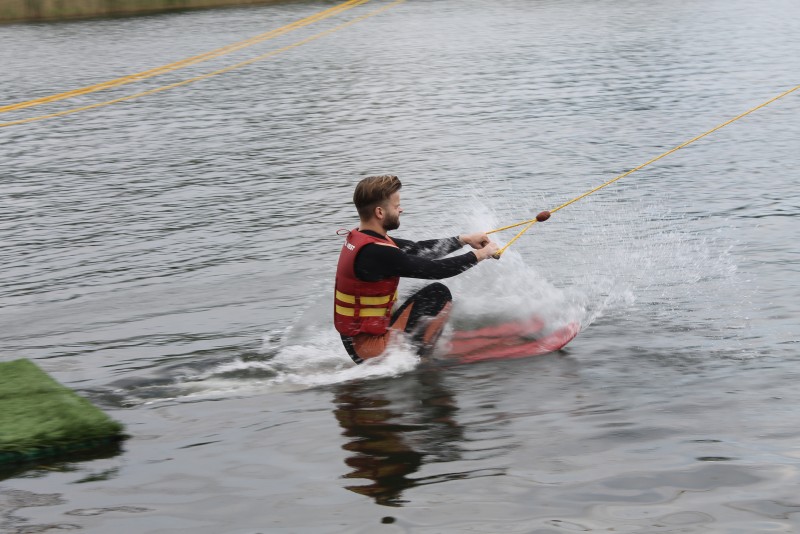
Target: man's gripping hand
478 240
488 251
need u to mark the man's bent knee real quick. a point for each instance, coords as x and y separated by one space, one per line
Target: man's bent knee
440 290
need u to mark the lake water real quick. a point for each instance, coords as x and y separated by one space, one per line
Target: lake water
171 257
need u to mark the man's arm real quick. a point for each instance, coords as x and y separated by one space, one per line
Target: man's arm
376 262
430 248
438 248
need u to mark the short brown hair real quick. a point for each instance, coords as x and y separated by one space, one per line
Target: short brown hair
373 191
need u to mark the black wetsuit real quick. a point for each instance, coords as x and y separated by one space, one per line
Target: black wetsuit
413 259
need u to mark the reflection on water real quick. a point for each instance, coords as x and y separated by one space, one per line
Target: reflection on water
43 466
394 428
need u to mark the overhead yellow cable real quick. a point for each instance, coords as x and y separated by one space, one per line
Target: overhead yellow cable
209 74
530 222
170 67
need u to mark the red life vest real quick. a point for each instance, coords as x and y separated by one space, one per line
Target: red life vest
362 307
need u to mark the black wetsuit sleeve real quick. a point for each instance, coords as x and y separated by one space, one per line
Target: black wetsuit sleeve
431 248
376 262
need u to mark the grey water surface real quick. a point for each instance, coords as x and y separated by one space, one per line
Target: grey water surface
171 258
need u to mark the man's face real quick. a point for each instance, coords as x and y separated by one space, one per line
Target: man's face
391 213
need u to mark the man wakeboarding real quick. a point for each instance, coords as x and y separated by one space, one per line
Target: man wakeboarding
370 267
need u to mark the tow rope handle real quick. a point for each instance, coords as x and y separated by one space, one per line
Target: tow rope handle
541 217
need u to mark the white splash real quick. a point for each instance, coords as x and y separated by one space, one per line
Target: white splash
563 275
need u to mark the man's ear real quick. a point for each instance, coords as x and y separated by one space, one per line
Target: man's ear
378 212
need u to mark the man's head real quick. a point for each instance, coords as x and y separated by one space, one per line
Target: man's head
378 197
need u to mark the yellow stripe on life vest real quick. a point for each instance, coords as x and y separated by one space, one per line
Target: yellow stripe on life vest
372 312
363 312
366 301
344 297
374 301
342 310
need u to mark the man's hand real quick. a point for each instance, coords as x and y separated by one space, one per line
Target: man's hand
477 240
486 252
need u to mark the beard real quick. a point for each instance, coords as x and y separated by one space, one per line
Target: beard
391 222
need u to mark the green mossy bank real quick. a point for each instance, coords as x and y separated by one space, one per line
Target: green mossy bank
50 10
40 418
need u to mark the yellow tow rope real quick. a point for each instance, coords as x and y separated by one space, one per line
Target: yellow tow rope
170 67
191 61
543 216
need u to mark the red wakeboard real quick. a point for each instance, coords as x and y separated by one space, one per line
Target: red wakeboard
517 339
